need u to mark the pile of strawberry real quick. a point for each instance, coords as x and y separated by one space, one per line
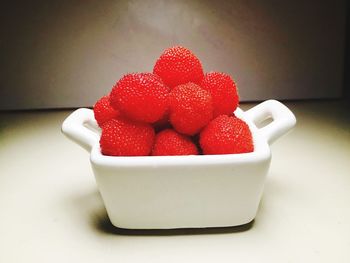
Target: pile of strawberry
176 110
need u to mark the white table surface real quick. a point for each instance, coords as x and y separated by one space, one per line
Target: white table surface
51 211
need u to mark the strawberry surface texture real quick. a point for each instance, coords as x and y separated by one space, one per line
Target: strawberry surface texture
123 137
178 65
140 96
190 108
226 135
103 111
170 142
223 91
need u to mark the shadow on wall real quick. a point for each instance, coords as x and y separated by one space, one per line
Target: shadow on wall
69 53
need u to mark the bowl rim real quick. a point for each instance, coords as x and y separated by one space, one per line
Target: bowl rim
82 128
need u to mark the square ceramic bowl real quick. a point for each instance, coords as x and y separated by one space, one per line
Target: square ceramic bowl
165 192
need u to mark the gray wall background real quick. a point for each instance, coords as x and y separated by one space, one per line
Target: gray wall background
56 54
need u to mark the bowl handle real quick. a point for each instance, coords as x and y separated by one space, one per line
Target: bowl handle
81 127
282 119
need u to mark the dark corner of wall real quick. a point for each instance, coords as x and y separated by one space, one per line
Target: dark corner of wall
347 56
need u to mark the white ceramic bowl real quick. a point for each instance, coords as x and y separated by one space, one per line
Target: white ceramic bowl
164 192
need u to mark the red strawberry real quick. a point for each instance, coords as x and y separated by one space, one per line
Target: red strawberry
140 96
223 90
225 135
190 108
178 65
169 142
103 111
123 137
